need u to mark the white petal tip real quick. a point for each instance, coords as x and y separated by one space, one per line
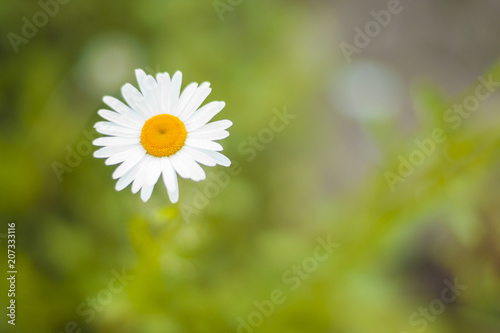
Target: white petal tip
118 189
127 87
173 196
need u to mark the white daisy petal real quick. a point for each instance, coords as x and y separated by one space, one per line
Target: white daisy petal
194 103
216 135
163 90
199 156
126 113
109 128
152 176
170 179
218 125
146 191
128 164
128 177
136 101
115 141
108 151
154 171
140 179
125 120
124 155
168 172
162 78
142 82
186 96
218 157
203 144
116 104
204 115
180 166
196 171
174 194
149 88
175 90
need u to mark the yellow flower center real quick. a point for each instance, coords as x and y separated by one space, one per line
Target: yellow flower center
163 135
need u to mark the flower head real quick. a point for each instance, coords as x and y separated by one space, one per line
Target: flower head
161 132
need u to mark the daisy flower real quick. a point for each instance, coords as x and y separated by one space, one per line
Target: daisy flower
161 132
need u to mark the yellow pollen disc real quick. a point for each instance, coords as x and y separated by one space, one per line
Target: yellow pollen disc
163 135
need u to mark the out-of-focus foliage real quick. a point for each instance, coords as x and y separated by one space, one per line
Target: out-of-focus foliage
202 265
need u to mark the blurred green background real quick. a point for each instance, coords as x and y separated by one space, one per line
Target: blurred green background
215 262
